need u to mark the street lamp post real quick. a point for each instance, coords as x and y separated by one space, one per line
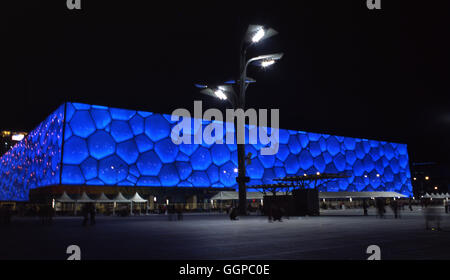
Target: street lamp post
254 34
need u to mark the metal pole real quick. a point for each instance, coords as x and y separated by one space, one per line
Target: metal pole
241 179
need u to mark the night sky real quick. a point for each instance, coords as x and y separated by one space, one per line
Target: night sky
347 70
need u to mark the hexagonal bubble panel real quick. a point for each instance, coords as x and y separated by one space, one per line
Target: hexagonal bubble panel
327 157
112 170
157 127
201 159
121 131
137 124
166 150
220 154
268 176
184 170
182 157
82 124
101 144
128 151
101 118
75 150
303 139
200 179
121 114
255 169
227 175
349 143
148 181
283 136
333 145
213 173
71 175
143 143
340 162
81 106
283 152
188 149
268 161
149 164
168 175
319 164
90 168
294 145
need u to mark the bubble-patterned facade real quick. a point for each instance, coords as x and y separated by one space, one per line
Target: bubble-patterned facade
35 161
97 145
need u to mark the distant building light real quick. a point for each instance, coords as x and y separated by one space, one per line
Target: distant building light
414 178
427 178
18 137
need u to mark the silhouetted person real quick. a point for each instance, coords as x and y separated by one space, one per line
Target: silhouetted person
179 213
410 204
394 206
365 207
432 215
380 207
270 213
85 213
171 211
276 213
446 205
233 214
92 213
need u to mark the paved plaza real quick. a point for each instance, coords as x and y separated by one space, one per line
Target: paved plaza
336 234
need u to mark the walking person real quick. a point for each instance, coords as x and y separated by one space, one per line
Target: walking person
394 206
233 214
432 216
365 207
92 213
85 214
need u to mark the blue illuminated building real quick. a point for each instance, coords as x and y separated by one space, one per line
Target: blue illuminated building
90 145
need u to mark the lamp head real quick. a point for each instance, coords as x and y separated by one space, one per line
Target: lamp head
256 33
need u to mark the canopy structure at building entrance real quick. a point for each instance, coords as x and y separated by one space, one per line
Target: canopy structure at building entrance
230 195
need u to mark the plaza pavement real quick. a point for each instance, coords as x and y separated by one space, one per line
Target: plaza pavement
336 234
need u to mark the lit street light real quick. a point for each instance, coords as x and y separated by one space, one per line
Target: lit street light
253 35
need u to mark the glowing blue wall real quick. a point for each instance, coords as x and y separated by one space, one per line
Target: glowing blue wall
109 146
34 161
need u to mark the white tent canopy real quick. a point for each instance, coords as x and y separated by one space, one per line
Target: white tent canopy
427 195
103 198
84 198
137 198
120 198
65 198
